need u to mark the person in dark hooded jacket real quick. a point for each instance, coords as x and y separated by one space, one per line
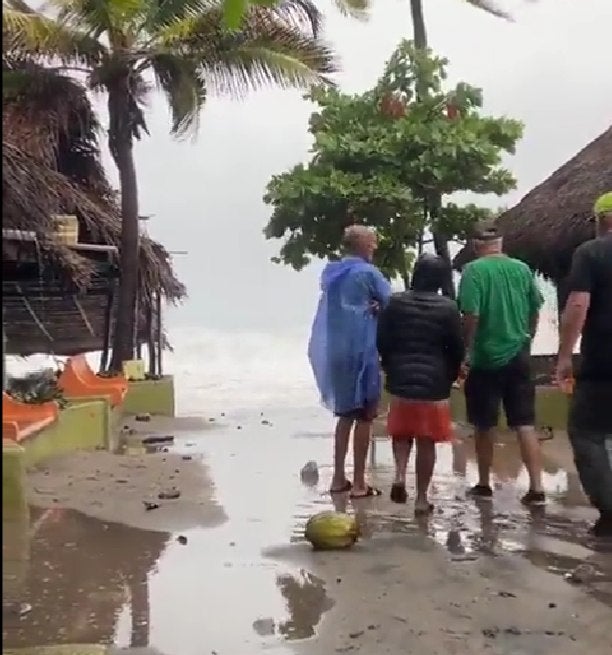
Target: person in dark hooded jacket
420 343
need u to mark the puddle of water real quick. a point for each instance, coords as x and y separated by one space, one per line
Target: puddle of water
89 581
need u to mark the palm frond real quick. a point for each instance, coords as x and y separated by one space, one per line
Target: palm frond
491 7
357 9
96 17
184 87
287 61
269 49
30 34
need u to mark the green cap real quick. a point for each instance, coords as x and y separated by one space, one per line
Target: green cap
603 205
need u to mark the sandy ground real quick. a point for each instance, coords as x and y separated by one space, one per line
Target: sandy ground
116 486
403 596
402 589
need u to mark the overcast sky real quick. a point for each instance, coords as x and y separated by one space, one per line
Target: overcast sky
550 68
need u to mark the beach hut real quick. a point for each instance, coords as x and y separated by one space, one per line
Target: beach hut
549 223
62 227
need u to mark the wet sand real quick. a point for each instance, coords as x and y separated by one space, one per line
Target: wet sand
224 569
125 486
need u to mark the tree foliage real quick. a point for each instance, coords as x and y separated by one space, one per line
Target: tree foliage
384 158
184 48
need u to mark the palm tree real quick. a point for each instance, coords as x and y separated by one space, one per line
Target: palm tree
185 48
440 240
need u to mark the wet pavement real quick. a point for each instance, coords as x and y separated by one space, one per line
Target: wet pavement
251 584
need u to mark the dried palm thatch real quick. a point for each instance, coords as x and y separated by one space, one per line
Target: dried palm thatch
549 223
51 165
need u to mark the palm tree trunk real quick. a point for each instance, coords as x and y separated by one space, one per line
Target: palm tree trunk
418 24
121 147
440 240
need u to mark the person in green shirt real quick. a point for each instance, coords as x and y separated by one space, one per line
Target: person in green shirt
500 302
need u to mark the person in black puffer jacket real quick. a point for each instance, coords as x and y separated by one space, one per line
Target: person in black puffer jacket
421 348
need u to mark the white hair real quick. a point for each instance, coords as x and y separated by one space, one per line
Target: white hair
354 235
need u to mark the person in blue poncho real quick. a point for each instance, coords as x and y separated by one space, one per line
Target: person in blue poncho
343 355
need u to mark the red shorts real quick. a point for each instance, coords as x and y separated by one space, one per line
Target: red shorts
419 418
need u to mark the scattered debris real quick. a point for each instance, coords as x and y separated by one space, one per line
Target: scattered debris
506 594
187 458
169 494
149 505
144 418
158 439
309 474
582 574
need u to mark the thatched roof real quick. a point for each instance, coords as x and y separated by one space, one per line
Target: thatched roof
549 223
51 164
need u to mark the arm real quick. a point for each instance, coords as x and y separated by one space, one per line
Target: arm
580 285
469 304
380 287
383 334
455 346
536 300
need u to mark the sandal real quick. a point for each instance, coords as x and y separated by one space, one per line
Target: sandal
347 486
398 493
371 492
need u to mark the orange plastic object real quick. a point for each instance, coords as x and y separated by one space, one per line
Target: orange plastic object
78 380
20 420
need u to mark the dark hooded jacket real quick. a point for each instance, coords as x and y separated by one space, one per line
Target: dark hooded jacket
420 344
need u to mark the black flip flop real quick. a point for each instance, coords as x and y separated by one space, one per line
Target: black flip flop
371 492
398 493
342 490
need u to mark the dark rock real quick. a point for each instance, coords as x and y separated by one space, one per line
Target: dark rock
552 605
169 494
144 418
182 540
506 594
187 458
355 635
239 427
158 439
149 505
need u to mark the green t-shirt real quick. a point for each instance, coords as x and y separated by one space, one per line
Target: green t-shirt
502 292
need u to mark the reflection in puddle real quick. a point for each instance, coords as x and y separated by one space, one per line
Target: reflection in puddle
89 581
306 600
78 576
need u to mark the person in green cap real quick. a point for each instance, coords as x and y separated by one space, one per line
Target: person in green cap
500 302
588 312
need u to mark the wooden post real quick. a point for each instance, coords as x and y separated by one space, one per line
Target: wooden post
3 353
151 339
108 326
160 336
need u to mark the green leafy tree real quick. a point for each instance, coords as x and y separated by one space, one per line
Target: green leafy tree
385 158
125 47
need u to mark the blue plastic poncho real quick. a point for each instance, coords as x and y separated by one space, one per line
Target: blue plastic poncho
342 347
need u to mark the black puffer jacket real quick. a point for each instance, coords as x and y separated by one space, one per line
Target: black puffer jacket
420 345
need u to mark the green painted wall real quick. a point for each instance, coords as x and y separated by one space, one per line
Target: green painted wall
154 397
13 476
67 649
83 425
551 408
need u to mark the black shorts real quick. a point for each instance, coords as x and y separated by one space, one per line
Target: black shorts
511 384
365 414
